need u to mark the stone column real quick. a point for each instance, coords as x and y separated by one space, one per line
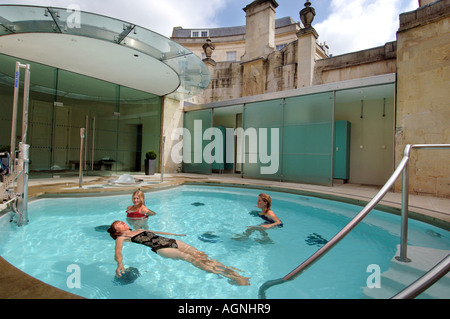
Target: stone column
306 56
260 29
259 43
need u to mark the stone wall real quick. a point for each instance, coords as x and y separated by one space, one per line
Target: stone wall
355 65
423 81
278 72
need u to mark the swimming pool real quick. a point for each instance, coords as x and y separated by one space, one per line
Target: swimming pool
62 233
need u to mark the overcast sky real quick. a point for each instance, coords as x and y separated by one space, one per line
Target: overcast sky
345 25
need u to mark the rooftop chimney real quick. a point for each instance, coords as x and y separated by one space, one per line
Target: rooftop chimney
260 29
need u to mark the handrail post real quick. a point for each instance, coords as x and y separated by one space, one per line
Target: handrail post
404 210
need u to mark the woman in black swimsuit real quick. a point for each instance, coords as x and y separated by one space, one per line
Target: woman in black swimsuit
270 221
169 248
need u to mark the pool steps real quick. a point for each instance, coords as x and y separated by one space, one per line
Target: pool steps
400 274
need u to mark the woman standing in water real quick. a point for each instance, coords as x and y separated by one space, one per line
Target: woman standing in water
168 248
270 221
137 214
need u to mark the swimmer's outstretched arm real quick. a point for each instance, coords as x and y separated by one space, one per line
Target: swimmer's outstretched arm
118 256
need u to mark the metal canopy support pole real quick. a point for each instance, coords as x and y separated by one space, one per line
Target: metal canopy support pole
82 135
14 116
22 183
85 141
23 160
24 148
93 142
26 95
162 158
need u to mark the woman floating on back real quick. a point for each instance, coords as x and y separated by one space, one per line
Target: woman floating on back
169 248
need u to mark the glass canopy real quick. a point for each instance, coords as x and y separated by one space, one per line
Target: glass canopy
102 45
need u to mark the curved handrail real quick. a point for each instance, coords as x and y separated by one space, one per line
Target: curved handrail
352 224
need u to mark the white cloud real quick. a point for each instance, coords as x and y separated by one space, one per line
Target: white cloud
351 26
162 16
361 24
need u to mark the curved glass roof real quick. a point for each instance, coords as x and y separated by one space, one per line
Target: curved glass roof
102 47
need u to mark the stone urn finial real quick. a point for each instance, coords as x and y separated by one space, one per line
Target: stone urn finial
307 14
208 47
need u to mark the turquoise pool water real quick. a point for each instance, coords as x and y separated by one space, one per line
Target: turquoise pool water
62 233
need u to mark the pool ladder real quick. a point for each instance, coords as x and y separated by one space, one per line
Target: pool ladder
417 287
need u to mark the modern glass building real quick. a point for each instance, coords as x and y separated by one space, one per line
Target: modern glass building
95 72
309 135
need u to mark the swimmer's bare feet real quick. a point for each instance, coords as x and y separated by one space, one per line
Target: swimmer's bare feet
240 281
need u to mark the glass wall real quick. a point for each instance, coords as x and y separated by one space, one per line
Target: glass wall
121 123
292 138
261 139
195 159
308 139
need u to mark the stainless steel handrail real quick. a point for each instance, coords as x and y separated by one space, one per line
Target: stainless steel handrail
359 217
405 196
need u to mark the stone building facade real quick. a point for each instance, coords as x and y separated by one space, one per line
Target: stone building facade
418 59
423 107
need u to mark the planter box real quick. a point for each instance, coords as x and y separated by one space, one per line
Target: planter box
150 167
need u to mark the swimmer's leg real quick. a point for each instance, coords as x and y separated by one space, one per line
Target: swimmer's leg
202 261
248 232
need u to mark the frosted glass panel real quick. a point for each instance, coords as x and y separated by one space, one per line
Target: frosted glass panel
308 139
262 139
194 159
